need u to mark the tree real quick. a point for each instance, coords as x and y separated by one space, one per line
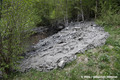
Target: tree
16 23
0 8
66 13
96 9
82 13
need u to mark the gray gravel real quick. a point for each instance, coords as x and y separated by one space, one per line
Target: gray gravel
57 50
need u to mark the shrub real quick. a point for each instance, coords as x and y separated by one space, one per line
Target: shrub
15 24
109 14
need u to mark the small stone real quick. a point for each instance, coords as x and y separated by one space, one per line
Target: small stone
61 64
111 47
94 25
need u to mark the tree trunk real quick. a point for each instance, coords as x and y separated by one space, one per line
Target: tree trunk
96 9
78 16
0 48
66 17
0 9
82 13
0 32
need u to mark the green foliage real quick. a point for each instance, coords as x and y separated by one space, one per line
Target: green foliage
90 63
49 11
109 14
104 58
15 25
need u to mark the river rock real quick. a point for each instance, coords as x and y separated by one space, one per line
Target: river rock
61 64
57 50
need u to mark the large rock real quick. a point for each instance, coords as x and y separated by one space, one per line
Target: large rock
61 48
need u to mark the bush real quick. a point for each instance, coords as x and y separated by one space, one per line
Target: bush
109 14
15 26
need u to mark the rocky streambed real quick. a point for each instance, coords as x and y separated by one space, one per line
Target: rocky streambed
57 50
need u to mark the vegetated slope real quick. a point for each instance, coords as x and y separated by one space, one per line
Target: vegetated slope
61 48
100 61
